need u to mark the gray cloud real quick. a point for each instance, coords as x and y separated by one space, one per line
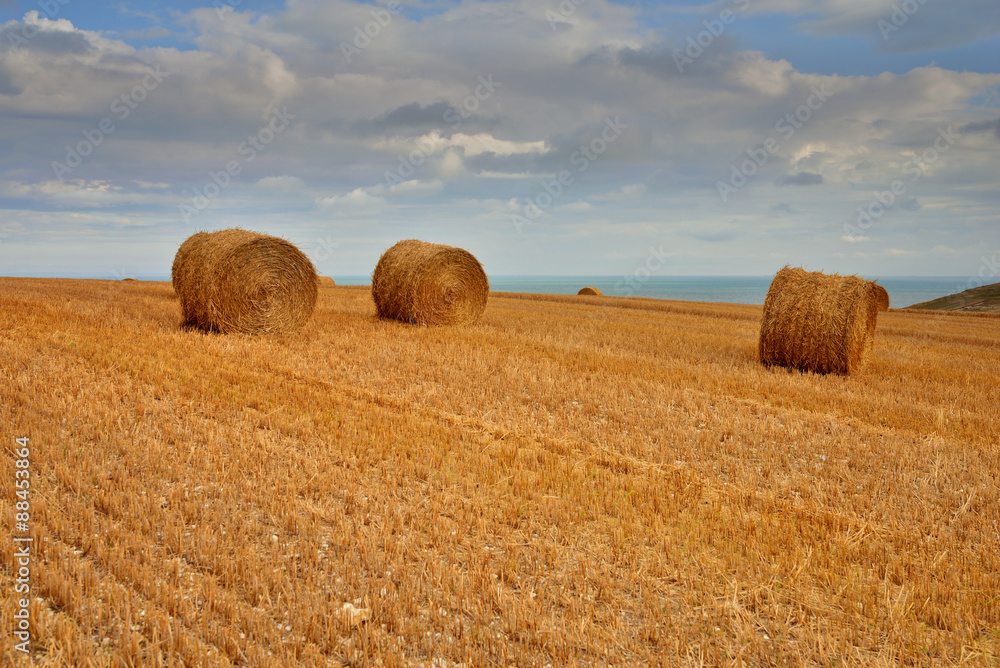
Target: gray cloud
50 42
931 26
409 117
801 179
714 233
7 86
669 60
519 163
984 126
417 118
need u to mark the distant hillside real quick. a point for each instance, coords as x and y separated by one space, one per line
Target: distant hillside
983 300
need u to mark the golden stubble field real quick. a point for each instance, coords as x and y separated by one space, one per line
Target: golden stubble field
573 481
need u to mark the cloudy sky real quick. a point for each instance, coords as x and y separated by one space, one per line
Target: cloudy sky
545 136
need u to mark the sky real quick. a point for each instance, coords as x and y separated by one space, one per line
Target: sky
547 137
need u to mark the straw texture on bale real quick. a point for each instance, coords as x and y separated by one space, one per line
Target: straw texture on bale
882 296
819 322
327 282
241 281
590 291
429 284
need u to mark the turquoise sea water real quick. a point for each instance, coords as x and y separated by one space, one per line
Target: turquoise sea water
903 291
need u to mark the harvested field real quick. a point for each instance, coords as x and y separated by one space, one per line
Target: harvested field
567 482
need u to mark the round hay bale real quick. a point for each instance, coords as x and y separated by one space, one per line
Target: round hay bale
882 296
590 291
818 322
429 284
327 282
241 281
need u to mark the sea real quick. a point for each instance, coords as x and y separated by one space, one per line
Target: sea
903 290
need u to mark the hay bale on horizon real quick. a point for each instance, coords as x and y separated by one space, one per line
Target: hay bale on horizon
590 291
429 284
240 281
819 322
327 282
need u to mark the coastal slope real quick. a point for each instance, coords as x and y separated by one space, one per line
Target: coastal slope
981 300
